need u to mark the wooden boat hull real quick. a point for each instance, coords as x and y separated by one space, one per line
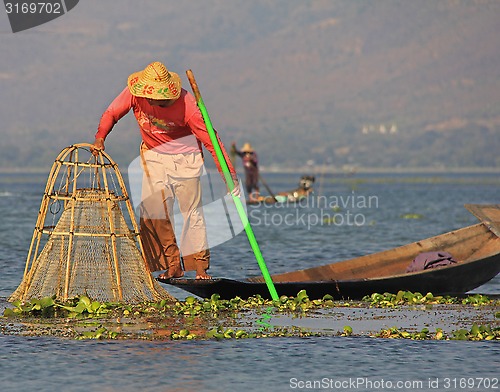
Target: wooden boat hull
477 249
453 280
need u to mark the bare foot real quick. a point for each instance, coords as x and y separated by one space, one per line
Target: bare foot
178 273
202 275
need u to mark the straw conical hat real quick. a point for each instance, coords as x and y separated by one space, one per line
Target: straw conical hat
155 82
247 147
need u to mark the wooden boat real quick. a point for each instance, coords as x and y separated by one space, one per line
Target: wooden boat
476 248
304 189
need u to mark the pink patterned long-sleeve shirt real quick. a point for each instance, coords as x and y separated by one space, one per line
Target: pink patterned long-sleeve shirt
175 129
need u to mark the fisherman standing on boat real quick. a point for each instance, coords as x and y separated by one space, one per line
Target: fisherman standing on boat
251 166
172 130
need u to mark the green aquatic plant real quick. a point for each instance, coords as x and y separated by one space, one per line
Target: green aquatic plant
347 331
332 220
477 300
388 300
477 332
439 335
483 332
48 307
183 334
44 307
99 333
85 307
412 216
89 314
214 305
228 333
395 333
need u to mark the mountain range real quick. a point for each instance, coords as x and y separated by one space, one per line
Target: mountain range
389 83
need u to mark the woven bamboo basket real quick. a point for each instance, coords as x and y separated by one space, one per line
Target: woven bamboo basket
86 239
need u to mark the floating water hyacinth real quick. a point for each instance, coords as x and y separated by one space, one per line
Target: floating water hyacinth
87 319
412 216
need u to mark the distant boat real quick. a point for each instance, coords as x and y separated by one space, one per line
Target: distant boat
304 189
476 249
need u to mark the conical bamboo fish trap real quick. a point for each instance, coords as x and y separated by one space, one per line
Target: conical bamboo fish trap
86 239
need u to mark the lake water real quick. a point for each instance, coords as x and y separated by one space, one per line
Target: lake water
377 212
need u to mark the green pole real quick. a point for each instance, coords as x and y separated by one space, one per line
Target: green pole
229 181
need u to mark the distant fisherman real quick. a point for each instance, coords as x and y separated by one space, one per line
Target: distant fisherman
251 166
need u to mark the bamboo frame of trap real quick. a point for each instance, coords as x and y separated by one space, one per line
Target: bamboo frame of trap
140 285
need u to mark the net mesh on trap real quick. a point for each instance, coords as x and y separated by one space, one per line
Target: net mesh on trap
86 240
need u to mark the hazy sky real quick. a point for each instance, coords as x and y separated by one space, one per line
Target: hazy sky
294 78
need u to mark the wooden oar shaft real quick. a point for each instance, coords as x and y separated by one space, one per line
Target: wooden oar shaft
231 185
267 187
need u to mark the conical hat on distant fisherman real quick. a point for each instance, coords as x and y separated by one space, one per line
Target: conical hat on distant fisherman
155 82
247 147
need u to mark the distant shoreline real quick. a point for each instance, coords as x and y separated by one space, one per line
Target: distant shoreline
381 170
318 170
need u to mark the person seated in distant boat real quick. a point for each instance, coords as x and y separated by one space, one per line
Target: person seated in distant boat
305 188
251 166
